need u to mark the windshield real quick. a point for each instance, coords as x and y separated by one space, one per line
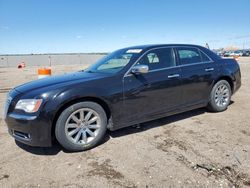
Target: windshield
115 61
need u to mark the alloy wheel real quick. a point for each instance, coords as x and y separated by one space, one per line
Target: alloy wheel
222 95
82 126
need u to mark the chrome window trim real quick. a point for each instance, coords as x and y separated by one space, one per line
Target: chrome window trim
178 66
155 70
198 63
127 74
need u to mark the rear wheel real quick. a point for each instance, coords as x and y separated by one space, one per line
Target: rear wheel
81 126
220 96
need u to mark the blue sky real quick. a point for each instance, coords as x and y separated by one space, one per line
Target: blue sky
55 26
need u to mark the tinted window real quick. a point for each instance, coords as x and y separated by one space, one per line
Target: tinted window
204 57
153 58
158 59
115 61
189 55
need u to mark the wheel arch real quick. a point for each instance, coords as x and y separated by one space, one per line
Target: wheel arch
97 100
228 79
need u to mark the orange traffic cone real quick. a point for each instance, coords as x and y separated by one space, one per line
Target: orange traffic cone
44 72
21 65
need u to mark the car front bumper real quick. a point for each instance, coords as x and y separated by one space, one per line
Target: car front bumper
29 130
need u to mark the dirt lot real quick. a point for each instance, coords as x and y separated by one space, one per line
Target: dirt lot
193 149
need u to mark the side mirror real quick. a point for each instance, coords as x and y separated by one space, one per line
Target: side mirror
140 69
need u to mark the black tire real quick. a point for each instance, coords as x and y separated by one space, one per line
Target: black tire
61 134
212 105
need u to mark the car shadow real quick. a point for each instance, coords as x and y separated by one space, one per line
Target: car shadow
56 147
54 150
156 123
159 122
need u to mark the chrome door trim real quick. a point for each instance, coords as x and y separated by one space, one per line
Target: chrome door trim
173 76
209 69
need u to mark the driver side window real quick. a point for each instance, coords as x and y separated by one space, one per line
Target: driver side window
158 59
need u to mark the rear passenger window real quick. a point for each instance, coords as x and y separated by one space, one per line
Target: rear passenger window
189 55
158 59
204 57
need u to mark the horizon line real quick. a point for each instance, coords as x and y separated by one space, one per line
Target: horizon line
59 53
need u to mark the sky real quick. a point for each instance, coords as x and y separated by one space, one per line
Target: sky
72 26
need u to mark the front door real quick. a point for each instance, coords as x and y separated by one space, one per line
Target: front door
152 94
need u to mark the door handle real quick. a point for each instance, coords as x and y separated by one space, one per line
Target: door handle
209 69
173 76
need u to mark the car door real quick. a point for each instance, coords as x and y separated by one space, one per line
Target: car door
152 94
198 73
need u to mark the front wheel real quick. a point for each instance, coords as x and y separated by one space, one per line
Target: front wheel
81 126
220 96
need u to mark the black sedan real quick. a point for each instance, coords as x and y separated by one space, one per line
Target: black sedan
127 87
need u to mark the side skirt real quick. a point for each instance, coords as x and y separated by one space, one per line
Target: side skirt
146 118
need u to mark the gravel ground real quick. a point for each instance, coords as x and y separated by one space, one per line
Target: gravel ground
192 149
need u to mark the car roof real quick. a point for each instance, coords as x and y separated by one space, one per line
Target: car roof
145 48
149 46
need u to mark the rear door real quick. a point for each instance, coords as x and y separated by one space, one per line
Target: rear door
198 73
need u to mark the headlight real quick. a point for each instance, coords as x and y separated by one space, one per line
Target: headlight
29 105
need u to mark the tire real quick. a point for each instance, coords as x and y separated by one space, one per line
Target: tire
220 96
81 126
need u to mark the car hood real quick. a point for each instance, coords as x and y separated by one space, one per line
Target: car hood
61 79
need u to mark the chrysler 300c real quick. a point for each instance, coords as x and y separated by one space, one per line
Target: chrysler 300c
127 87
